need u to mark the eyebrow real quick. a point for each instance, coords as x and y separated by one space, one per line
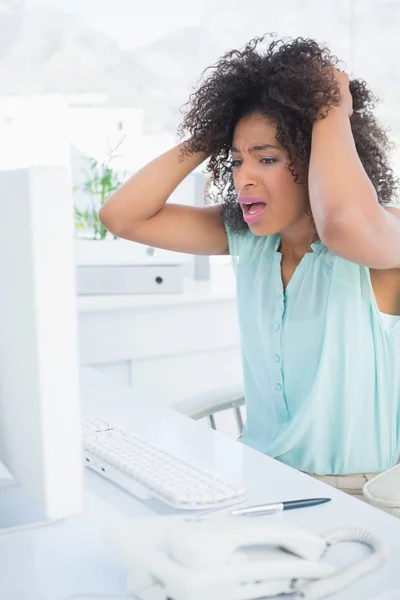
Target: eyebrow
257 148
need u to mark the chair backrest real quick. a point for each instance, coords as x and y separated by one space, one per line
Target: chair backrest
228 400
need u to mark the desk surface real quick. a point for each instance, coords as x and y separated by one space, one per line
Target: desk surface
71 558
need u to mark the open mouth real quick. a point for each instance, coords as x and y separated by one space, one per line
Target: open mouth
252 208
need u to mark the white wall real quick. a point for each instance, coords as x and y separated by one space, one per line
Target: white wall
34 132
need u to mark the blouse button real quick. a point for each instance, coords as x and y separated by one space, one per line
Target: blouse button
277 326
278 387
277 358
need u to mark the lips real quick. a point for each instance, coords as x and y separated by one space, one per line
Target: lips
252 207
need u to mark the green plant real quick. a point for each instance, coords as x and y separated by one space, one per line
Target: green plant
101 181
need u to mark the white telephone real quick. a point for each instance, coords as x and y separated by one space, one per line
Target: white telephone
235 558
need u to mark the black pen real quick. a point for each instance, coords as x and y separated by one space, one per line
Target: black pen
278 506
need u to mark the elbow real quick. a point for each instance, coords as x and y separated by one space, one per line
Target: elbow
329 233
104 216
338 227
110 220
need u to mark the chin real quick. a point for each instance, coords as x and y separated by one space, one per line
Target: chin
262 229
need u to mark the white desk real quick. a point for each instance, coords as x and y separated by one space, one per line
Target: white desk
68 558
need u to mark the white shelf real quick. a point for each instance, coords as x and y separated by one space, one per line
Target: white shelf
220 288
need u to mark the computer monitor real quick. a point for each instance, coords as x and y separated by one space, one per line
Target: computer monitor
40 424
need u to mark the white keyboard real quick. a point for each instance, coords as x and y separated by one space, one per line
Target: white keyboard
143 469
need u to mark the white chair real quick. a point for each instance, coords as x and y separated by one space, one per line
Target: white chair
208 404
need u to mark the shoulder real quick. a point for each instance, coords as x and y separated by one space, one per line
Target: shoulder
393 208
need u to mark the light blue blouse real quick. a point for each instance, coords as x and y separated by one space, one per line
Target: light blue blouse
321 370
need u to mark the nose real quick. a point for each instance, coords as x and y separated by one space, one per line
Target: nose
244 177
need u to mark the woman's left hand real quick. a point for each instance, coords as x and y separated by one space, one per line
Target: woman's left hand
344 87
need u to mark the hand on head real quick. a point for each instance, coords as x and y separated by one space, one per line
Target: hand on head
343 83
344 86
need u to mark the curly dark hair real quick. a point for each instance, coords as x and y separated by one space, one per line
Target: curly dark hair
289 83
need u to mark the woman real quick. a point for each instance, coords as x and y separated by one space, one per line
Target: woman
300 173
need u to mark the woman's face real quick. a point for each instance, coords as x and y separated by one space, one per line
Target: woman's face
270 199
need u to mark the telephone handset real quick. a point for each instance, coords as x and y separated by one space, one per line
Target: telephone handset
190 545
240 558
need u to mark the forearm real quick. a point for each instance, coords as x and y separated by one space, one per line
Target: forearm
144 194
338 183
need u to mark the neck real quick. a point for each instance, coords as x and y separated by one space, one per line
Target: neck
296 240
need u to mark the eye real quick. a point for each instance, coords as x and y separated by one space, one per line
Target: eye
236 162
